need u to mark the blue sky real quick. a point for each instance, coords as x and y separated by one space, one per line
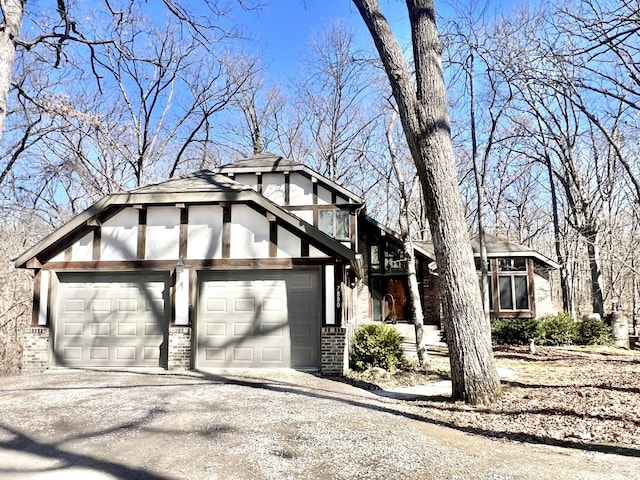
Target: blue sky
284 27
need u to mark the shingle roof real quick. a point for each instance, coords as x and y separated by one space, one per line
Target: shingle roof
202 181
199 187
498 247
263 161
269 162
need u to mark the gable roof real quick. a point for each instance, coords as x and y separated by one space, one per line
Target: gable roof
498 247
395 236
199 187
269 162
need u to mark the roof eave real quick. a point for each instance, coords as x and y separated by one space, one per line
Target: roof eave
126 199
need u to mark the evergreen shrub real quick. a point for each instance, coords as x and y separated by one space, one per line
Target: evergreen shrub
376 345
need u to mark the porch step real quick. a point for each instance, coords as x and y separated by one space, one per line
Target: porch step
408 335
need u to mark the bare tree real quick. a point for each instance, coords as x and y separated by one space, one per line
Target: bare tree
404 220
423 111
335 99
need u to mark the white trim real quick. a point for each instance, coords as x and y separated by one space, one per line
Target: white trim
329 295
44 297
182 297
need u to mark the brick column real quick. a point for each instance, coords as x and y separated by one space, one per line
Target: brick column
334 352
35 351
179 348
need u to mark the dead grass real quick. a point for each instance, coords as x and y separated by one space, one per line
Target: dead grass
586 395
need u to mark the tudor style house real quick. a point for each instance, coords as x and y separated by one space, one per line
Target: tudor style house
260 263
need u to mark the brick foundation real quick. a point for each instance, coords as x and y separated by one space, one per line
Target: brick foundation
179 348
334 352
35 352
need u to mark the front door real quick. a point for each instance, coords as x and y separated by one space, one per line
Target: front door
396 299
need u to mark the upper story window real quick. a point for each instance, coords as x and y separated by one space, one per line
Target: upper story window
334 223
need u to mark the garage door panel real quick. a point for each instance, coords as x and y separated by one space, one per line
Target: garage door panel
272 329
272 355
242 329
241 305
216 329
99 353
214 354
245 319
127 329
99 329
104 320
216 305
302 355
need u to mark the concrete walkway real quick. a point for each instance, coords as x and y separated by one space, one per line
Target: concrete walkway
440 388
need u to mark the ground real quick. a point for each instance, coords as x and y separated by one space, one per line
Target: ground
583 395
151 424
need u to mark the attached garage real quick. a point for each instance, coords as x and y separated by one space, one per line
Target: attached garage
111 319
195 272
267 319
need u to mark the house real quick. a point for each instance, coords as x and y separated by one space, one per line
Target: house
260 263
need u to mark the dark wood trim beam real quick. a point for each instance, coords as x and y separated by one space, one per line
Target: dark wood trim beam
35 313
226 231
259 182
532 287
142 233
97 240
304 247
170 265
287 188
314 186
273 238
184 232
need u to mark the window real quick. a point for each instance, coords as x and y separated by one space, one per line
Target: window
513 284
334 223
375 258
393 259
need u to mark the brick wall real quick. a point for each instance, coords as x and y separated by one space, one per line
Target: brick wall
334 359
430 297
35 352
179 348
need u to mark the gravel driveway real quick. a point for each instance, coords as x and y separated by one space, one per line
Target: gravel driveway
250 425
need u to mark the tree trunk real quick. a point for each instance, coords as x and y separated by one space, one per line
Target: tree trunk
424 113
593 250
567 297
416 313
12 12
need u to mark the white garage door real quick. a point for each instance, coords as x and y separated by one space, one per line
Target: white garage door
111 319
259 319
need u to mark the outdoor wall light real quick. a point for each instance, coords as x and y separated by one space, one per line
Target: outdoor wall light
180 266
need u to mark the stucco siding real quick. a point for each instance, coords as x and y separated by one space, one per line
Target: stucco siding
300 190
315 253
324 196
249 233
163 233
82 250
306 215
249 179
273 187
288 244
120 236
204 238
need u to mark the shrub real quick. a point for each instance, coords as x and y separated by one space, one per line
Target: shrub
376 345
557 330
506 331
550 330
593 331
